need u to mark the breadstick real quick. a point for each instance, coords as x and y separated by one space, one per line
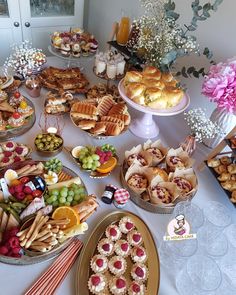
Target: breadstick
55 230
30 170
59 221
23 242
42 238
86 217
39 243
23 169
36 220
23 232
42 233
36 230
39 248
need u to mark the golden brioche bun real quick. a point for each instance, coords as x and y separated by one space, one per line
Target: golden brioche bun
153 83
160 103
166 77
150 70
173 95
135 89
156 75
132 76
152 94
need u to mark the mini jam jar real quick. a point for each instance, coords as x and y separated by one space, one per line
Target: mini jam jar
37 183
108 194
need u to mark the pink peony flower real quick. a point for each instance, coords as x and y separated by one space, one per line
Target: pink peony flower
220 85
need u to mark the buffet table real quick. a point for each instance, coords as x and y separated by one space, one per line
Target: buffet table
17 279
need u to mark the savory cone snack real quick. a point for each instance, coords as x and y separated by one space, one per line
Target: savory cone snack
178 158
161 192
156 150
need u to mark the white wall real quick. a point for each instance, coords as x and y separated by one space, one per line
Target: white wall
218 33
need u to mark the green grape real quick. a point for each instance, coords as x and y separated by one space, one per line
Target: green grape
97 163
54 198
67 203
84 166
62 200
54 192
69 199
49 200
55 204
64 189
80 190
76 197
73 186
63 194
95 157
71 193
89 166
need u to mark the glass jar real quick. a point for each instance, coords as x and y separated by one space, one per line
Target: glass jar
33 86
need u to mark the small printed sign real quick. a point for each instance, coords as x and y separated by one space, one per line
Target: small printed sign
179 229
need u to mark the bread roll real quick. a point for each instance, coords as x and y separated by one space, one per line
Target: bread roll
160 103
135 89
105 105
99 128
131 77
155 76
113 120
153 83
118 109
173 95
150 70
86 124
166 77
152 94
124 117
112 129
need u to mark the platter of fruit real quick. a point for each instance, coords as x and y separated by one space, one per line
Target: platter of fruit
99 161
42 206
48 144
17 115
120 257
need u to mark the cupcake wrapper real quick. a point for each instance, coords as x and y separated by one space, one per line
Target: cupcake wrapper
157 144
187 161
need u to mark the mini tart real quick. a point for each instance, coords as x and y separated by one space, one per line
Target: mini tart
139 272
183 184
99 263
117 265
9 146
162 193
138 181
113 232
139 254
126 225
6 161
156 153
16 122
26 112
175 162
97 283
21 150
134 238
122 248
136 288
118 285
137 157
105 247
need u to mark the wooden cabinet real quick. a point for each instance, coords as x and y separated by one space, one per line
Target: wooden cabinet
35 20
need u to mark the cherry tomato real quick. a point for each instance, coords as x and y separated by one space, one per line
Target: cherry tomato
17 94
37 193
16 115
24 179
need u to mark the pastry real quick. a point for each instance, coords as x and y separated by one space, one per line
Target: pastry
117 265
135 91
138 254
105 247
86 124
156 154
118 286
139 272
138 182
99 264
131 77
124 117
113 232
161 172
6 161
126 225
232 168
225 160
134 238
97 283
8 146
175 162
99 128
136 288
151 70
111 119
112 129
183 184
136 157
229 185
16 120
118 109
213 163
224 176
84 111
233 197
6 107
122 248
3 95
221 169
161 193
105 105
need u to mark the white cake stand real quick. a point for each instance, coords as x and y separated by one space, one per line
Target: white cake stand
145 126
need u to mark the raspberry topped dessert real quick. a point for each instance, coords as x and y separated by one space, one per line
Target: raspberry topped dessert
113 232
126 225
134 238
97 283
117 265
138 254
136 288
122 248
118 285
106 247
99 263
139 272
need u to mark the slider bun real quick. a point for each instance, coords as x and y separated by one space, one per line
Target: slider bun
139 99
154 83
173 95
132 77
172 83
152 94
160 103
150 70
166 77
156 75
135 89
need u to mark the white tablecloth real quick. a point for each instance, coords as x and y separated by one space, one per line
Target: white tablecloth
16 280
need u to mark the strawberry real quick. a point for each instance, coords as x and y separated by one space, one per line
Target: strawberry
37 193
27 190
11 190
20 196
24 179
16 250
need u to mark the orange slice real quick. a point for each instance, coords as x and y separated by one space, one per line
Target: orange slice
67 212
107 166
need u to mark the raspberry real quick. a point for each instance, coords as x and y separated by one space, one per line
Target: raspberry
139 272
5 160
14 242
136 237
13 231
16 250
118 264
17 159
99 262
95 280
16 255
27 190
11 190
7 154
120 283
136 288
19 188
20 196
17 94
129 225
113 232
3 250
139 252
124 247
19 150
106 247
9 144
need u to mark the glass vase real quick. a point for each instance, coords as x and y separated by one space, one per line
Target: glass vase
226 121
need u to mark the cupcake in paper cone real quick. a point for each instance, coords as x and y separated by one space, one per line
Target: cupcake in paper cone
156 150
138 178
162 192
159 171
178 158
137 156
186 181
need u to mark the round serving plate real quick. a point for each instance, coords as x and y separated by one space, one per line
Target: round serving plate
35 256
100 136
57 53
14 132
146 127
136 198
89 250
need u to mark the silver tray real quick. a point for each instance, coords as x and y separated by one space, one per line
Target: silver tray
158 209
34 257
83 268
14 132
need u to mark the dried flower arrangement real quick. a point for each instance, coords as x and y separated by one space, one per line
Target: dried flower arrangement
162 40
25 59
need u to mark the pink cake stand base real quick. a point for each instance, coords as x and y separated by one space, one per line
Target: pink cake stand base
144 127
